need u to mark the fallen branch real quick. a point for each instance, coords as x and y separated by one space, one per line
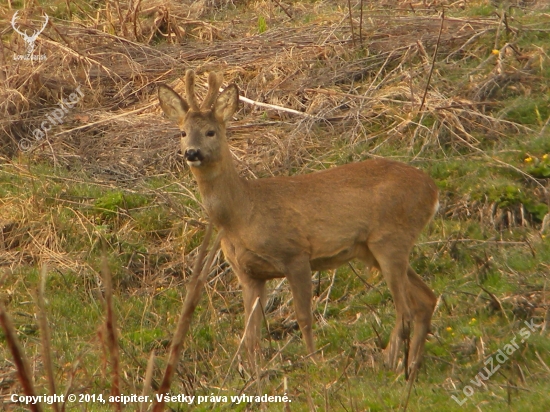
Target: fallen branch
274 107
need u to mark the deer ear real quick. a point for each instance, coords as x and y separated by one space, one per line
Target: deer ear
227 103
173 106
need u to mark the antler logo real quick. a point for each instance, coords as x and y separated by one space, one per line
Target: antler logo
29 39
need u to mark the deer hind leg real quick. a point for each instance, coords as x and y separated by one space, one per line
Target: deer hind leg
423 302
302 294
254 297
393 265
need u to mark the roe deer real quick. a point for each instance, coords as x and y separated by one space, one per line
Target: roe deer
290 226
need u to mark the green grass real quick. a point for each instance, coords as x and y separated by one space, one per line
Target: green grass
485 254
351 374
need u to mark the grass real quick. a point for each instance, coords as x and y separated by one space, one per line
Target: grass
118 186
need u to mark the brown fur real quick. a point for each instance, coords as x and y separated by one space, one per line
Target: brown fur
288 226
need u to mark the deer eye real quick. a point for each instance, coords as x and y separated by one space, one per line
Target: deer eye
210 133
183 134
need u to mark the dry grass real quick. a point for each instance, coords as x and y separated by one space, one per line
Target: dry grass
362 96
312 69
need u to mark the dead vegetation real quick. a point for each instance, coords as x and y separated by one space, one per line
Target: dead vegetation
313 69
360 92
369 95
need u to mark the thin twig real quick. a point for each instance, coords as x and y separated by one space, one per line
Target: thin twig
283 8
433 61
45 337
361 25
329 290
19 358
148 379
111 331
494 299
542 361
408 390
118 116
351 24
254 306
363 280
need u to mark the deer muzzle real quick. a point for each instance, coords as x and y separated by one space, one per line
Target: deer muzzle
194 157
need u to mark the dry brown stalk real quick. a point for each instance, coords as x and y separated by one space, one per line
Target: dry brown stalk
542 362
45 336
23 371
69 386
287 406
111 331
192 298
147 382
241 342
122 20
111 118
408 390
351 24
361 25
496 302
283 8
433 61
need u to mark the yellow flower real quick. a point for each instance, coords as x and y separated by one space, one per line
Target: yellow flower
495 52
449 329
528 159
545 156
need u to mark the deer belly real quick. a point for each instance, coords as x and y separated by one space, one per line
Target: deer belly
259 266
333 261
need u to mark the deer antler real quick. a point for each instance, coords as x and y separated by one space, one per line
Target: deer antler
214 83
190 90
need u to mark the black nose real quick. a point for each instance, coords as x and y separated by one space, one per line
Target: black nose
193 155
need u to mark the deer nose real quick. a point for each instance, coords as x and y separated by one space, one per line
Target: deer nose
193 155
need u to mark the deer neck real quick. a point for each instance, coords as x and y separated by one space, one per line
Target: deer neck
224 193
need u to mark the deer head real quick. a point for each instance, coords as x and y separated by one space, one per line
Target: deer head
32 38
203 139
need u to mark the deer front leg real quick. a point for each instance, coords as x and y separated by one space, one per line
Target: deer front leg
302 293
254 297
